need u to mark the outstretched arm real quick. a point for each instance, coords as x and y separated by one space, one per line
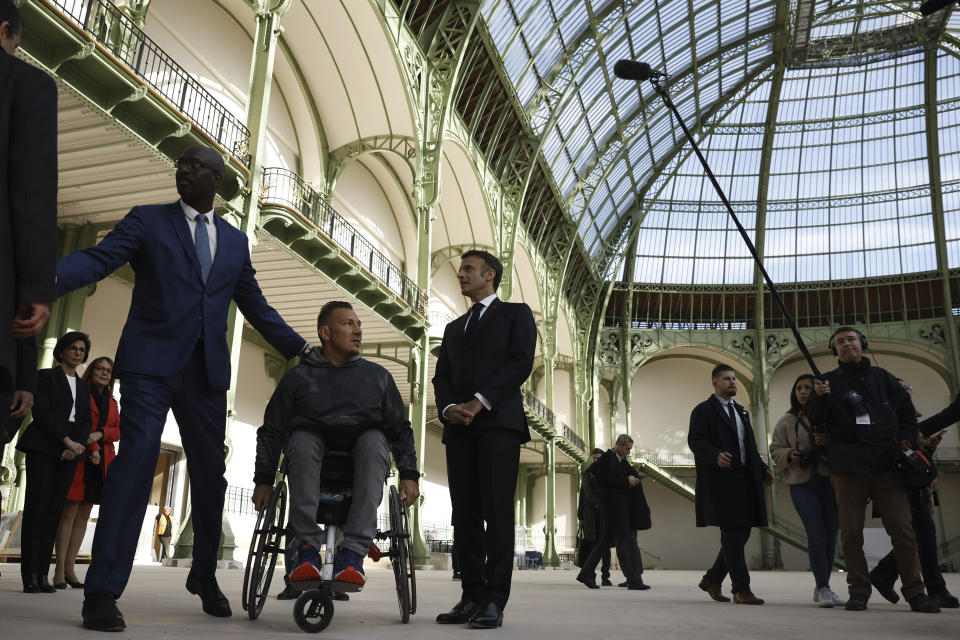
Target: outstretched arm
262 316
87 266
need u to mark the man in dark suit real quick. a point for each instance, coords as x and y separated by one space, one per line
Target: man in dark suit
28 197
485 356
172 354
731 476
619 481
24 391
590 518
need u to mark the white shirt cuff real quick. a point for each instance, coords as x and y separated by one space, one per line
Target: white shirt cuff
486 404
444 412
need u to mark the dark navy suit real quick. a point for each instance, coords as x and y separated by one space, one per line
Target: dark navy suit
172 354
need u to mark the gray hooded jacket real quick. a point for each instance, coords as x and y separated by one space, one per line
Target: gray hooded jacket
340 403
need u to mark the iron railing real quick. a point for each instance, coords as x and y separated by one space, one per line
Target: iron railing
116 32
239 500
284 187
572 436
536 405
665 458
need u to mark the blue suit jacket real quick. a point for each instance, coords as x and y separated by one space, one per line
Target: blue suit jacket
171 306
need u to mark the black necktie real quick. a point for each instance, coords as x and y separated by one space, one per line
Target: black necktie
733 416
473 322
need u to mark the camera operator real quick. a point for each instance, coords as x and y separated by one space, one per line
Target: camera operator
867 415
792 449
922 500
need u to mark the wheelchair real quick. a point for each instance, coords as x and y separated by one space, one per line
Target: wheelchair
313 610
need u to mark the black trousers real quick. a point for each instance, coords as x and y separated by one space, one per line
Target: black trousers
628 555
731 559
482 466
887 570
48 481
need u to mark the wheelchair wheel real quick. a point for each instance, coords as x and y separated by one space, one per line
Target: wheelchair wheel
401 557
266 544
313 611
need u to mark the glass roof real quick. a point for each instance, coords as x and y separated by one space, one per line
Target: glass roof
846 179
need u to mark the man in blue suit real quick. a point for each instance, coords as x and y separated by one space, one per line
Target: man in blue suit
173 354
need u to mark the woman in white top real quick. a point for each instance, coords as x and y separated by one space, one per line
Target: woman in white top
793 448
53 444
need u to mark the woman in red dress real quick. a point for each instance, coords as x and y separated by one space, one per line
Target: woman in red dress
88 481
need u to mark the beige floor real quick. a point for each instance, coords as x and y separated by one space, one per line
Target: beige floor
545 604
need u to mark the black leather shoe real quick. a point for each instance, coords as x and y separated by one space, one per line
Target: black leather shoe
884 588
921 603
490 616
74 584
60 585
588 582
946 600
460 614
624 584
214 602
341 596
856 602
638 585
45 586
100 612
30 584
606 583
289 592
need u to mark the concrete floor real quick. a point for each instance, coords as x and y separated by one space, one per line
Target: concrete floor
545 604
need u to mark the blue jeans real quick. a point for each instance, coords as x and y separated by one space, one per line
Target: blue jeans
817 507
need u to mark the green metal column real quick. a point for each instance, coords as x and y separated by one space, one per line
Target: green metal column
550 557
936 203
268 13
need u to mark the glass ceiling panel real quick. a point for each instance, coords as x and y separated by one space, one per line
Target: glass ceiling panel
849 147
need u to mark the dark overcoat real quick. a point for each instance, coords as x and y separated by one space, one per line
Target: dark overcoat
733 496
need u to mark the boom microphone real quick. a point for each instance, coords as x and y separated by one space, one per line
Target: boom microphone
633 70
932 6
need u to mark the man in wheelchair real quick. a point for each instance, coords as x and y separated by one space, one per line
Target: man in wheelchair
334 400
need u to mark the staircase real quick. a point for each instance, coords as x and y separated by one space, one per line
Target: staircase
781 529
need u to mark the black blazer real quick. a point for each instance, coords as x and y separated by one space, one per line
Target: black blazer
28 195
495 363
621 502
51 412
722 494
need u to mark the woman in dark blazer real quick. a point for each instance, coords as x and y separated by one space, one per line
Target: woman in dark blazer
88 480
53 444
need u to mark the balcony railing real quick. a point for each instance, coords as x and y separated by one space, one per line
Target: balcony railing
665 458
536 405
284 187
115 31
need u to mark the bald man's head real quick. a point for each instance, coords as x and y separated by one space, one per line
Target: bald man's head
199 174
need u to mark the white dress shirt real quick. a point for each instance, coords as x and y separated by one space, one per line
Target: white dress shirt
743 448
486 302
191 215
72 381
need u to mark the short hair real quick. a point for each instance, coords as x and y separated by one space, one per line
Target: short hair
68 339
720 368
326 312
596 451
624 439
11 15
489 262
795 406
88 374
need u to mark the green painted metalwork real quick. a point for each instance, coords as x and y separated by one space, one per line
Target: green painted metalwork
100 52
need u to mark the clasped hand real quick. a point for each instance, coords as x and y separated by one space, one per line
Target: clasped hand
464 413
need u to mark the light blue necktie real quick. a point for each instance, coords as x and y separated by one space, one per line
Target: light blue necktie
203 247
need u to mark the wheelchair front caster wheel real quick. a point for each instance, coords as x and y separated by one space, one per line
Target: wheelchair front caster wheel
313 611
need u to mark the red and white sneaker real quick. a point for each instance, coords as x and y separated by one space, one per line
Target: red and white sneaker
348 567
308 565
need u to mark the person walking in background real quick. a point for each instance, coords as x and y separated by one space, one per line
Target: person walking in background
53 444
190 265
164 532
805 470
485 357
88 480
730 480
590 518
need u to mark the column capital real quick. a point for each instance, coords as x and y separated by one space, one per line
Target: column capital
276 7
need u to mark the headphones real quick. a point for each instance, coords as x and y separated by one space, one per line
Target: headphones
863 339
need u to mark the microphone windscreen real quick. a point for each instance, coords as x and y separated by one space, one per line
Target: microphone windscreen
932 6
632 70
